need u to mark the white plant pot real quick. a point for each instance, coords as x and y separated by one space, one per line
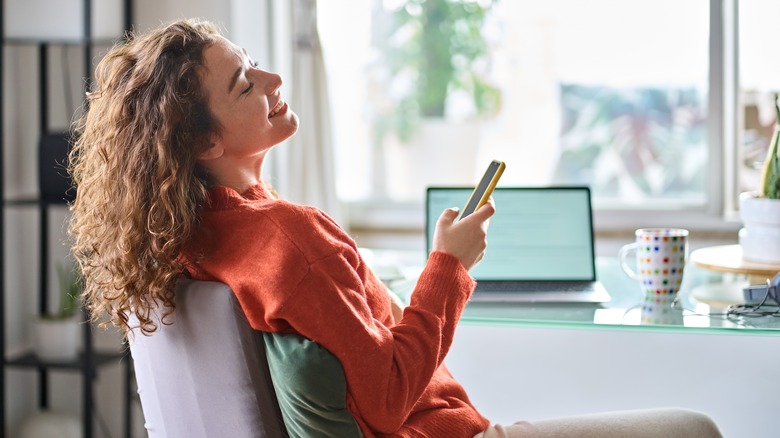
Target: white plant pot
51 424
56 339
760 235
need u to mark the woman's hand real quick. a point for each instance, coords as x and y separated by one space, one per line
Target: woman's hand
396 306
465 239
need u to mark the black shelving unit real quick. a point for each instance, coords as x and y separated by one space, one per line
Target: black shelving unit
89 361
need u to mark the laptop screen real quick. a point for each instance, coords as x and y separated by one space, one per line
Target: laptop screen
536 234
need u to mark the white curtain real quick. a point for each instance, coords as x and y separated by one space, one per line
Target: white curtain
282 35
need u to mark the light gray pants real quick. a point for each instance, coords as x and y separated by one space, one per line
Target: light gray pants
645 423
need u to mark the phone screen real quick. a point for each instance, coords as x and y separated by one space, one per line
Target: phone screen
484 189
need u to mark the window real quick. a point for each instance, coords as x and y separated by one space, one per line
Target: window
619 95
758 81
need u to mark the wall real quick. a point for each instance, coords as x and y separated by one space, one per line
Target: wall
151 14
237 18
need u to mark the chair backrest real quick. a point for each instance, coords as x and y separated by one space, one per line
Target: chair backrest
205 374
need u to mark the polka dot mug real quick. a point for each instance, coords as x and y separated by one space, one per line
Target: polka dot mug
661 254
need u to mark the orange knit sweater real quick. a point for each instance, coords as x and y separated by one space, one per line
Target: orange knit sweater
295 271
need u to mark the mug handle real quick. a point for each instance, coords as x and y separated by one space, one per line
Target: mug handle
623 254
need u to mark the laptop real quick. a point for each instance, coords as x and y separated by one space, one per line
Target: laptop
540 244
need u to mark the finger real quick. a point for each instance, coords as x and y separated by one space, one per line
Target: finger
448 215
491 202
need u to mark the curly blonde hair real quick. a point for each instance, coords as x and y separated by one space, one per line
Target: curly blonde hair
139 188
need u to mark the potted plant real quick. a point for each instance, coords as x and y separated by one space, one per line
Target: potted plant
760 210
56 335
435 87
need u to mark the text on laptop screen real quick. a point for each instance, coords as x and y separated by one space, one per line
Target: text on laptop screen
536 233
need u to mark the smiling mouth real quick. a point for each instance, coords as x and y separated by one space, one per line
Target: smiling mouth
276 109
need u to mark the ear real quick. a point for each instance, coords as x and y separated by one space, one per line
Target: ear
212 153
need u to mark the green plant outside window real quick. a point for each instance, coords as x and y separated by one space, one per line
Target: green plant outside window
431 49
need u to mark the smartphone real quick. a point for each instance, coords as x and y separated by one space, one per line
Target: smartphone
484 189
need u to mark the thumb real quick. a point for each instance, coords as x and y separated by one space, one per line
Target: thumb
483 213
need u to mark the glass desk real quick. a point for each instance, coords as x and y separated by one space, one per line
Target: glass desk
701 304
521 361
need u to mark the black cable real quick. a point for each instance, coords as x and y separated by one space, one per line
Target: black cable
760 309
734 312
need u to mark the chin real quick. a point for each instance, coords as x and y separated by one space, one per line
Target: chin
294 121
293 124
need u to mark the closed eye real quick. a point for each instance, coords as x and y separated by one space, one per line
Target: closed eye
248 89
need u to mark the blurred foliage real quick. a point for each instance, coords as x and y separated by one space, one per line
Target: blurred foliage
641 142
430 49
70 290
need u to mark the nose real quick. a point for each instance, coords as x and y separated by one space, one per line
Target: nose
270 82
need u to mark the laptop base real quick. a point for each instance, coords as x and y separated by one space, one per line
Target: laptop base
594 294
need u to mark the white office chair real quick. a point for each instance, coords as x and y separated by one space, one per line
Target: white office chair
205 374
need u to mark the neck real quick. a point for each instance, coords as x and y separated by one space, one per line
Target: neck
239 175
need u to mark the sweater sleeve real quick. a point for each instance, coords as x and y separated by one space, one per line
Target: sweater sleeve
387 368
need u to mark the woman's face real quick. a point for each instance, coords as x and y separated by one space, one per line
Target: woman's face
246 103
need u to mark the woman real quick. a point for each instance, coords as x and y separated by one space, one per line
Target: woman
169 172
